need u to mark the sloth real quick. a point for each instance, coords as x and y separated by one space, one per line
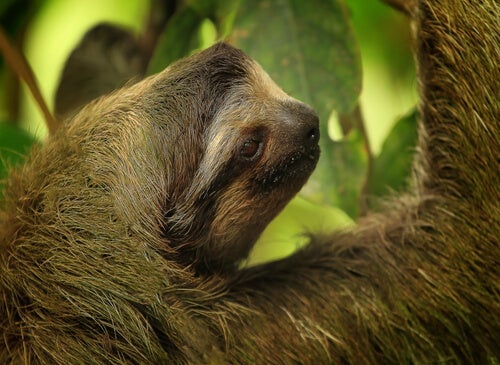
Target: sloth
182 170
121 236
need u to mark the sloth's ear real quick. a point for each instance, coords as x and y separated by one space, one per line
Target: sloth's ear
106 59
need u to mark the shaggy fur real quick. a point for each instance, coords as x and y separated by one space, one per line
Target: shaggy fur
120 236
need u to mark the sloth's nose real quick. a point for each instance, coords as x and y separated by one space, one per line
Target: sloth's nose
306 124
312 130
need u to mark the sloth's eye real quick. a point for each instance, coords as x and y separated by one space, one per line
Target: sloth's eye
250 148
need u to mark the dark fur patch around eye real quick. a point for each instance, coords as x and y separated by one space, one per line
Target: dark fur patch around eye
250 148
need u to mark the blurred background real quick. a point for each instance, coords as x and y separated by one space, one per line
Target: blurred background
378 43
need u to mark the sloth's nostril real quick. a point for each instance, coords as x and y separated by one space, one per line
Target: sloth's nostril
307 124
313 135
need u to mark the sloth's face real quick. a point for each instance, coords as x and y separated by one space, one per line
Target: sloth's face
257 147
193 162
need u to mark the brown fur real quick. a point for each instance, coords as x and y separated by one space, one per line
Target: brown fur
119 238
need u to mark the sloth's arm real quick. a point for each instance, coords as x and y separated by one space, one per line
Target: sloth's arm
420 283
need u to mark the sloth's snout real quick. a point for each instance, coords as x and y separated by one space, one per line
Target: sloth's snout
305 125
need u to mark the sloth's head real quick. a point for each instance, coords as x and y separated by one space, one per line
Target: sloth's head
202 156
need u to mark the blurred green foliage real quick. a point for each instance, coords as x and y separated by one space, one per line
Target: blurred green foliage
392 167
14 144
315 50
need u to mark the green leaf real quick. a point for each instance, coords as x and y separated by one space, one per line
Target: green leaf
178 40
14 144
309 49
4 6
349 158
15 14
205 8
391 169
286 233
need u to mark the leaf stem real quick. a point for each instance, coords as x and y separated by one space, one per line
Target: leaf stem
21 68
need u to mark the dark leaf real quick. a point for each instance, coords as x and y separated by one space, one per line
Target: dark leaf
178 39
392 167
349 159
16 14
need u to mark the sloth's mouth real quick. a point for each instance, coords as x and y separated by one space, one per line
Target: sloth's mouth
293 168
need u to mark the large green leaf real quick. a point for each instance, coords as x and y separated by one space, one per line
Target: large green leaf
309 49
349 158
14 143
392 167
